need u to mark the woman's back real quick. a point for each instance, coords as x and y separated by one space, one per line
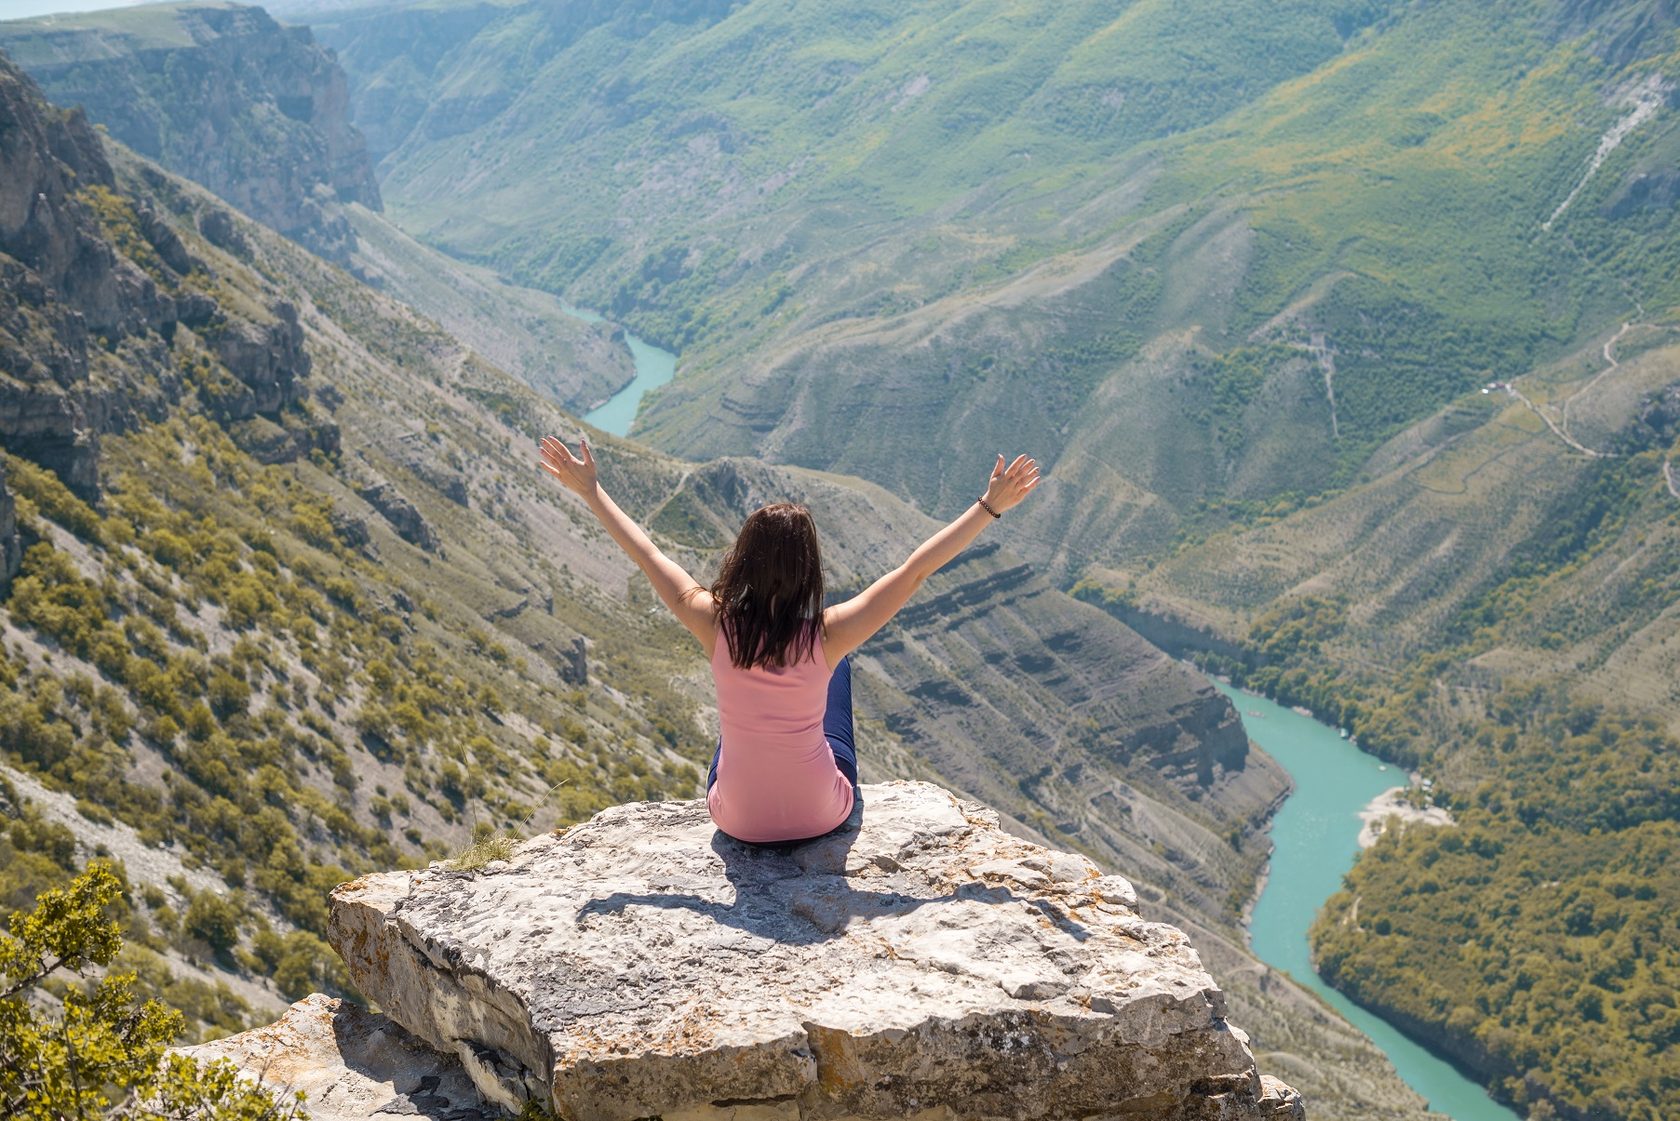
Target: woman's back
776 775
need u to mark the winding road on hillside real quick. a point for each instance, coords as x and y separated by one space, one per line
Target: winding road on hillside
1671 478
1610 365
1550 423
1641 100
1562 430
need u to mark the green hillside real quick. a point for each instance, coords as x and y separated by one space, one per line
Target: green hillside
287 601
1500 611
1238 275
1115 233
1241 276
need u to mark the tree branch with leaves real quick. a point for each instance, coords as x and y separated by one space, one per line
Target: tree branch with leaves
94 1050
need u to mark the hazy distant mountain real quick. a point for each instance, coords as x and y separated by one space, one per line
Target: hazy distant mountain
258 113
1113 233
28 9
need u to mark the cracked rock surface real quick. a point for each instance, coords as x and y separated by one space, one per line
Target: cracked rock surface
919 962
351 1064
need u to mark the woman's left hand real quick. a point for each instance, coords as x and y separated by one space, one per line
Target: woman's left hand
1009 485
577 475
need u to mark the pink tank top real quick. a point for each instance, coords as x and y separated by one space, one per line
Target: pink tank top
776 777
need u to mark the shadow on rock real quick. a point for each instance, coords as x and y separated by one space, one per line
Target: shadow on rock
797 892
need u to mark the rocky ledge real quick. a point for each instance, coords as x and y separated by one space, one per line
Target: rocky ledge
919 962
351 1064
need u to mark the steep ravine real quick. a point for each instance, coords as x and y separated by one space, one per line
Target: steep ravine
222 94
1062 718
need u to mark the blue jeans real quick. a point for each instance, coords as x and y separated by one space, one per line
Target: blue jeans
837 727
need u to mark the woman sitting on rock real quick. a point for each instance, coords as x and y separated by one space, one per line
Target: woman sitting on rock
785 768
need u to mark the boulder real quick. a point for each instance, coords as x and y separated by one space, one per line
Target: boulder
11 548
268 359
350 1064
404 517
574 662
917 962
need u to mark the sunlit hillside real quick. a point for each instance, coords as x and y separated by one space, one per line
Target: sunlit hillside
289 600
1346 331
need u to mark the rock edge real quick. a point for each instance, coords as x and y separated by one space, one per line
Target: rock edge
918 962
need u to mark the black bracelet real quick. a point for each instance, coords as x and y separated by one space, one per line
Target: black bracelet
984 506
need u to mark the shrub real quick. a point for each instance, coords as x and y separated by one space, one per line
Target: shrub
100 1052
214 919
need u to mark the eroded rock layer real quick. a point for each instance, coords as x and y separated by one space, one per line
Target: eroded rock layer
917 962
351 1064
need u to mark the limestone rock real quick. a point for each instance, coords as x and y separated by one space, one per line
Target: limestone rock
257 112
89 314
574 662
11 549
350 1064
917 962
404 517
350 529
1277 1099
268 359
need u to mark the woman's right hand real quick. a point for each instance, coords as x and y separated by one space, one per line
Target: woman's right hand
1008 485
578 475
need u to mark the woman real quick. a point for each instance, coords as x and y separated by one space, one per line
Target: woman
786 765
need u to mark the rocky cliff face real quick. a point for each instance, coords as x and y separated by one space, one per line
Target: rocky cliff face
917 962
106 317
66 293
10 547
222 94
258 113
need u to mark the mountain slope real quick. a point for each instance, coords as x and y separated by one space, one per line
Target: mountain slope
1247 331
1195 258
259 114
529 333
312 612
1500 610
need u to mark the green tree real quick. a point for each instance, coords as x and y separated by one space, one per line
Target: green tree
97 1051
214 919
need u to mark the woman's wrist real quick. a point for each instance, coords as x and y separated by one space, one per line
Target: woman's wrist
989 508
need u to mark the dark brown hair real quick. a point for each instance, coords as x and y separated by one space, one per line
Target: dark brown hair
769 592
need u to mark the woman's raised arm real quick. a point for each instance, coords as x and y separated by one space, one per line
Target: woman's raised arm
688 600
851 623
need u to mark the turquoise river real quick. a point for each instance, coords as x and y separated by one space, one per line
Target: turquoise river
1315 837
654 367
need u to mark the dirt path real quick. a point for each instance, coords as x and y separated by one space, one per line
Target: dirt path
1670 478
1319 348
1327 362
1550 423
1610 365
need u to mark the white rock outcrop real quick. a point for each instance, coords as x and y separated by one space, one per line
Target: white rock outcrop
351 1065
919 962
